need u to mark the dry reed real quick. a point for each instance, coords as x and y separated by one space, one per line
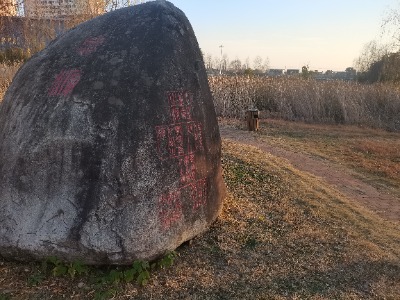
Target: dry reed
7 73
295 99
312 101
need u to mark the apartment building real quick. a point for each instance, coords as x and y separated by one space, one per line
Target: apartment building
61 9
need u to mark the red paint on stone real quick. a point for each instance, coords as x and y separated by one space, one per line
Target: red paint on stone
179 141
175 140
170 203
65 82
180 105
197 131
90 45
169 208
200 194
187 169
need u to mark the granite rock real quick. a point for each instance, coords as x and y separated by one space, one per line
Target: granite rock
109 143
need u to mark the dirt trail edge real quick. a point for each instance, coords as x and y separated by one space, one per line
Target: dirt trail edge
344 180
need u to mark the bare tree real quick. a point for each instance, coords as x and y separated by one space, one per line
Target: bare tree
208 61
265 65
371 53
235 65
216 62
225 62
257 63
246 65
260 65
391 27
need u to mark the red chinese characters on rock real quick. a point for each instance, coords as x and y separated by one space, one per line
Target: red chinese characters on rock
181 140
199 196
169 209
65 82
195 136
90 45
180 105
175 140
187 169
170 204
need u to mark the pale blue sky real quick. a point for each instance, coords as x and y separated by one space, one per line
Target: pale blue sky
324 34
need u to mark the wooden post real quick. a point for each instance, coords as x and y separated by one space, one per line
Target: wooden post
252 119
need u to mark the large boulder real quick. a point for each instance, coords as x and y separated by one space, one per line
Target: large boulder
109 143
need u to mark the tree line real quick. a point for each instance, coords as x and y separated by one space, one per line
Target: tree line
222 64
379 60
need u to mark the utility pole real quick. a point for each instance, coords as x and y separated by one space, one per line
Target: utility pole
220 62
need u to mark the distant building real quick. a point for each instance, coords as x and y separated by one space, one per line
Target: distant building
347 75
8 8
276 72
62 9
292 72
43 20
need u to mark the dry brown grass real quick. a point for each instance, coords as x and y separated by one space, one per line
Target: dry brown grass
373 152
295 99
282 235
7 73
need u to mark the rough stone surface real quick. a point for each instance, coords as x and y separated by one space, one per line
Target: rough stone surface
109 143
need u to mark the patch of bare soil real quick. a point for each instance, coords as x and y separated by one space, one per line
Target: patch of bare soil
341 178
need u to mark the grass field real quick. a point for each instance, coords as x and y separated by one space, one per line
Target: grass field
283 234
373 153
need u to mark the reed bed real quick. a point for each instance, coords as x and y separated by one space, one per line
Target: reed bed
7 72
296 99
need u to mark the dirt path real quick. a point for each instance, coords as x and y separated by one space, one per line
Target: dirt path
343 179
